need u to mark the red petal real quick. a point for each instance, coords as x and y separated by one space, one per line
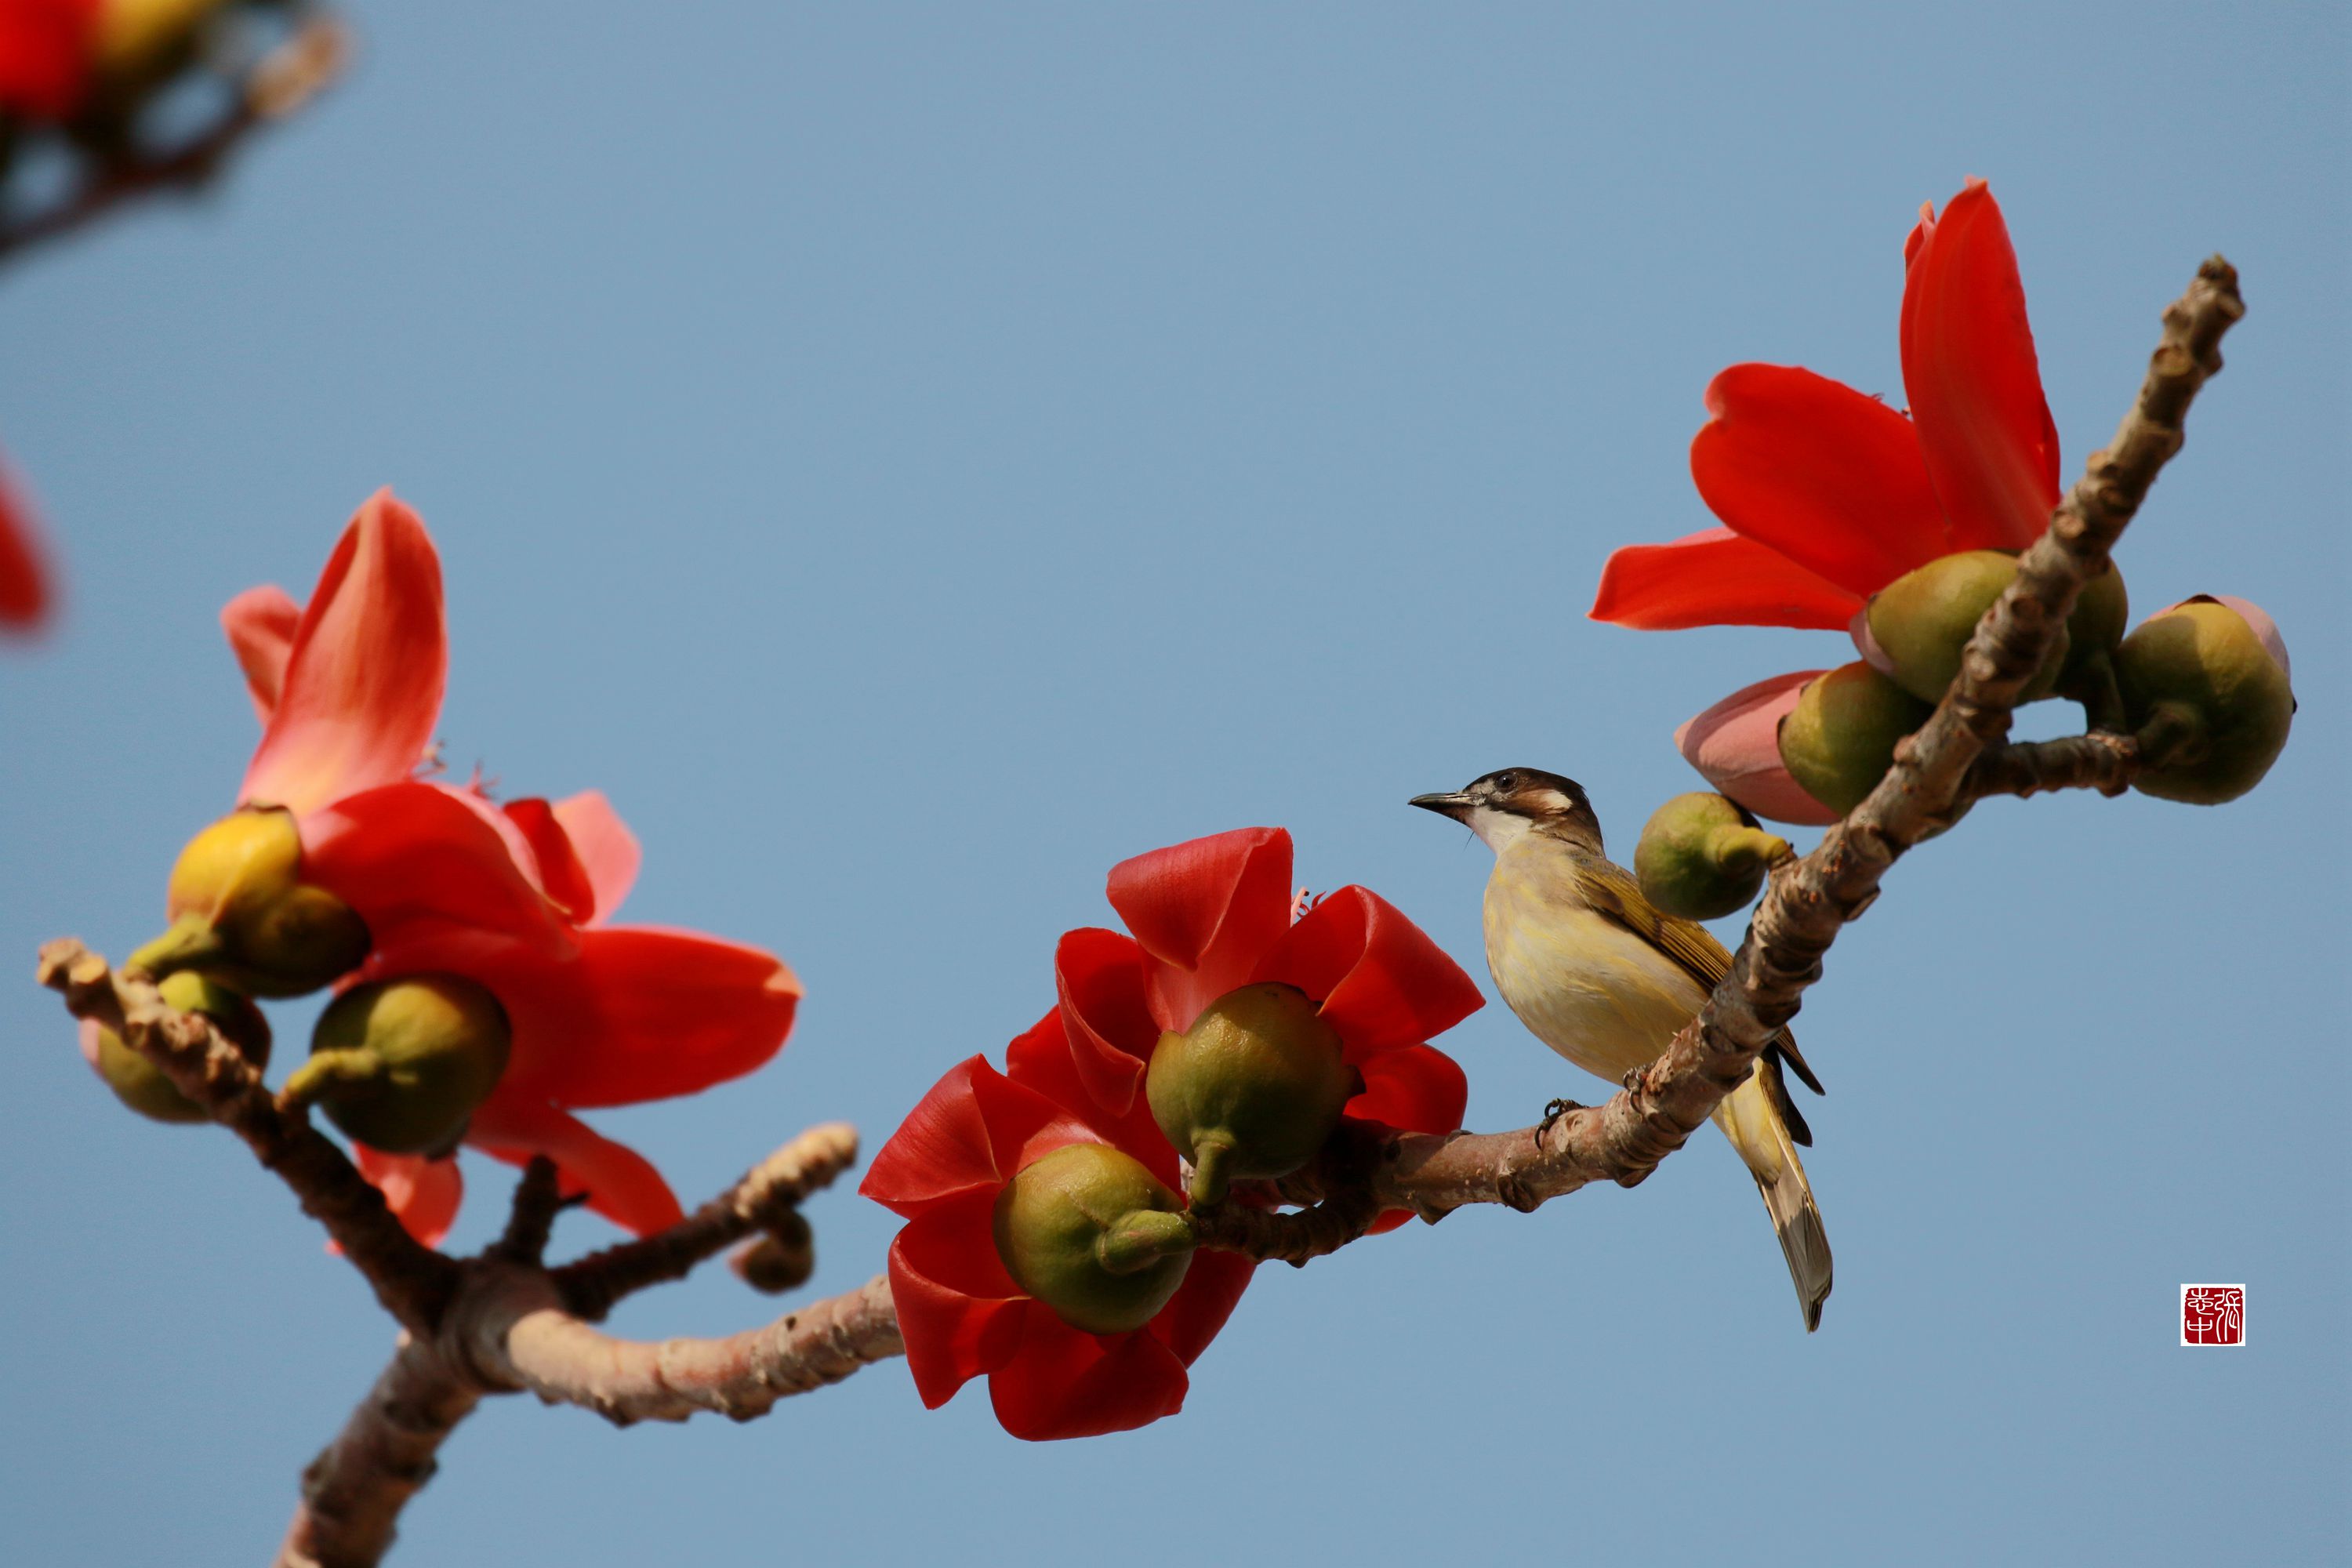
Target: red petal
422 1194
46 56
1417 1089
1382 982
420 865
1040 1059
1715 578
260 624
1205 910
24 579
1211 1289
561 876
1062 1383
1975 384
1829 478
961 1313
363 687
621 1183
972 1131
605 847
1737 744
1100 978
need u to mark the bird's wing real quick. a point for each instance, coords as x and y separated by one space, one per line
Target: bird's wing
1611 891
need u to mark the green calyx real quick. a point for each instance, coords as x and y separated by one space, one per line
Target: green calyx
140 1084
2212 706
1097 1237
1839 740
400 1065
1923 620
1252 1089
1702 857
242 915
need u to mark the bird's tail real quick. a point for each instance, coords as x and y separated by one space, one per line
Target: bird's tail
1751 1116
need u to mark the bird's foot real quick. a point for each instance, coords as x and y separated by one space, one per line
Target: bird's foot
1553 1111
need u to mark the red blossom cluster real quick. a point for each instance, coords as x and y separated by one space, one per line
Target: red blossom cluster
1204 919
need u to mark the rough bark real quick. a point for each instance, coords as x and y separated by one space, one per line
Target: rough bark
353 1491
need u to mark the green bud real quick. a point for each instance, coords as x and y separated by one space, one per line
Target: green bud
2213 699
241 914
1923 620
2102 612
400 1065
1702 857
140 1084
1839 740
1095 1236
1252 1089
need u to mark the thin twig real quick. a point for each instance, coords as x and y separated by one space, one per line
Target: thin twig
531 1222
2099 761
770 1190
412 1280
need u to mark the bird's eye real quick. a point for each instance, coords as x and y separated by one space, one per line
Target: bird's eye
1505 783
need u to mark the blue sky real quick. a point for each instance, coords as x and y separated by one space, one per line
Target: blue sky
912 458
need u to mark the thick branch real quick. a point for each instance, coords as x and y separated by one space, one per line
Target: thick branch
281 82
412 1280
511 1331
767 1192
1810 900
353 1491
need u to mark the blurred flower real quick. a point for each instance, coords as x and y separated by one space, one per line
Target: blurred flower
964 1317
25 592
46 51
1828 495
515 897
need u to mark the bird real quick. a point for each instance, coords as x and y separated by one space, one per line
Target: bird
1606 980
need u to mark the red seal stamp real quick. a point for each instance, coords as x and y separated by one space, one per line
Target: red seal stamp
2212 1314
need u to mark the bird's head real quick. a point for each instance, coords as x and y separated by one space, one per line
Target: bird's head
1510 802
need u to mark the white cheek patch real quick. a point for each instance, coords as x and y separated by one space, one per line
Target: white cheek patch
1499 829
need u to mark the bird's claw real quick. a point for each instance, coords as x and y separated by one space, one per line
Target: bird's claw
1553 1111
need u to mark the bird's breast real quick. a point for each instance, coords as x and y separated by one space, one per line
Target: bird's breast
1587 987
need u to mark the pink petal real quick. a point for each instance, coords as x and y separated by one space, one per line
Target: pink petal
607 848
422 1194
1737 744
2255 617
262 623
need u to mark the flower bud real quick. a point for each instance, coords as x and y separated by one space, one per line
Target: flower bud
241 914
139 1083
1839 740
1923 620
1095 1236
1702 857
143 40
1252 1089
400 1065
2207 684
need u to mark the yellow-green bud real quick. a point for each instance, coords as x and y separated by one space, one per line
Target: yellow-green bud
2102 612
1095 1236
1839 740
1252 1089
1702 857
145 39
1923 620
241 914
400 1065
140 1084
2212 701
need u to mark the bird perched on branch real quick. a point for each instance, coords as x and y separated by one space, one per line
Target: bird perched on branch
1606 980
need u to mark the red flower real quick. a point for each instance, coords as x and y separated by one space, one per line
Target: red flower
25 592
961 1313
1212 915
1828 495
515 897
47 48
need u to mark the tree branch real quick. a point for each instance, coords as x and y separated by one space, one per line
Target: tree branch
2100 761
412 1280
279 83
509 1329
767 1192
353 1491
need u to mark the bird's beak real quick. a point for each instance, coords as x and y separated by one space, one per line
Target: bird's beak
1452 804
